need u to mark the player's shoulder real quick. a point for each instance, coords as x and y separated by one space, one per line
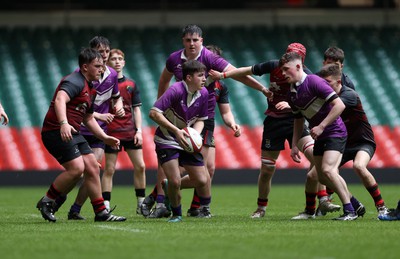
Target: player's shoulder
75 78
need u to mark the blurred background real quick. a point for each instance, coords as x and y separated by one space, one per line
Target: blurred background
40 41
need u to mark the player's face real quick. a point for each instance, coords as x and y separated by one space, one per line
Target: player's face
93 70
291 71
199 79
334 83
192 44
104 52
117 62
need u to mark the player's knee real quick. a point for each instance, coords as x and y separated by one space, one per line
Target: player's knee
268 163
358 167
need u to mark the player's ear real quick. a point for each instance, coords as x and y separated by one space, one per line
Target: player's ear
84 67
298 66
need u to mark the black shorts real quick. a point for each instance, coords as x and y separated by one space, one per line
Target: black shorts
65 151
208 133
94 142
184 158
325 144
351 152
127 144
276 131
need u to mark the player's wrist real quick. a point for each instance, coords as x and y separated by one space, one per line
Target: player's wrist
139 130
63 122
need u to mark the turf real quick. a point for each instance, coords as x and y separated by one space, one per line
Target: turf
229 234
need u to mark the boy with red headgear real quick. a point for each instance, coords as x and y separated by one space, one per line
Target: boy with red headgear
278 127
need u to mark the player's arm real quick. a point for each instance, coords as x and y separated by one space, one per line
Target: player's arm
137 118
158 117
163 83
91 123
337 108
298 125
250 81
106 117
118 106
60 107
3 115
227 117
241 71
199 125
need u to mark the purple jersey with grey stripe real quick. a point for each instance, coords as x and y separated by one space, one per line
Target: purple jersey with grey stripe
311 100
106 88
181 110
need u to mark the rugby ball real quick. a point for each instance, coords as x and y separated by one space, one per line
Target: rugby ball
195 140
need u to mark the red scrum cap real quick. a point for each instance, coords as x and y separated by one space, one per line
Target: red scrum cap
298 48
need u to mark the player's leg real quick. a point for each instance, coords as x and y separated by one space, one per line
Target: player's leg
108 174
268 160
201 177
93 186
139 176
73 171
194 209
392 214
305 145
275 132
172 172
327 158
360 164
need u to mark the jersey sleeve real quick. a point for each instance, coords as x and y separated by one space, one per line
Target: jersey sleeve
70 88
136 101
224 93
264 68
349 97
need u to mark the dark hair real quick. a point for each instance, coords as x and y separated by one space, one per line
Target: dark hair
99 41
87 55
334 53
192 66
215 49
330 70
288 57
192 29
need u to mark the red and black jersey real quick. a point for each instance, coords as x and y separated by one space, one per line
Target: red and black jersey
81 94
359 129
124 128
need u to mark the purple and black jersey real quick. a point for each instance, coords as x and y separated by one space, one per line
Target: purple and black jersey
358 128
310 98
182 109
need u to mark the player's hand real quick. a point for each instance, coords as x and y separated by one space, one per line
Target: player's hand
66 131
106 117
295 154
237 130
181 135
138 139
112 142
282 105
267 93
119 112
4 115
215 75
316 132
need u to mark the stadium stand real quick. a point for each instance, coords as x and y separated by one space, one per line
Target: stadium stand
35 59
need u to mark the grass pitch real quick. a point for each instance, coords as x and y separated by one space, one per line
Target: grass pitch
231 233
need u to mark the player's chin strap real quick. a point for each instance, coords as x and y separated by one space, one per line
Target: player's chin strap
269 162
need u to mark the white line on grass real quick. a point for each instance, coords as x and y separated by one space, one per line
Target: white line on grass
135 230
